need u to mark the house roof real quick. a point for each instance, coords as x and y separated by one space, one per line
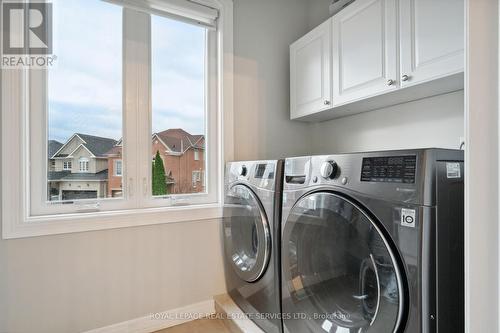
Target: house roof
54 146
115 151
68 176
97 145
178 140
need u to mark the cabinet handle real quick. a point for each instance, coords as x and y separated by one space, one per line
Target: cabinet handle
405 77
327 102
390 82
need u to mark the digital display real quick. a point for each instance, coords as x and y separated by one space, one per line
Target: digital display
393 169
264 171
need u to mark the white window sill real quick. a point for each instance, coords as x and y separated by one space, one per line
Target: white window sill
70 223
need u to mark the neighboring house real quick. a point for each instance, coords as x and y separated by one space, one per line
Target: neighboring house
115 171
183 156
53 147
79 168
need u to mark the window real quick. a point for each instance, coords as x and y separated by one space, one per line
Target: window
196 177
99 65
118 168
178 100
84 100
84 164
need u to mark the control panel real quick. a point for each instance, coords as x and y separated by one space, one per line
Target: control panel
264 171
391 169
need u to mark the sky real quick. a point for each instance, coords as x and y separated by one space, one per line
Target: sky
85 85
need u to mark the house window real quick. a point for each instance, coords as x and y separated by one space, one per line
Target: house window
196 177
118 168
84 164
167 61
196 155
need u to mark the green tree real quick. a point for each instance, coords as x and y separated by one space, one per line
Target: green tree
159 181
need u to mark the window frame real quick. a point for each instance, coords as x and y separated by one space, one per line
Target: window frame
83 161
212 143
195 177
115 168
17 219
67 165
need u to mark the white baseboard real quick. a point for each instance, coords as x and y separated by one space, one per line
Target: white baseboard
161 320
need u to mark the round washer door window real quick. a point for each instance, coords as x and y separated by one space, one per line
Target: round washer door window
247 234
339 269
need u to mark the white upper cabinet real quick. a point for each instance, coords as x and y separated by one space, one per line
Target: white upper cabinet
365 50
310 72
378 53
432 39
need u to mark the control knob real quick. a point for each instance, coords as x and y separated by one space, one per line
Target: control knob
328 170
242 170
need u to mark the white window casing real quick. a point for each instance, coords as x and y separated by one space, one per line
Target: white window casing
25 210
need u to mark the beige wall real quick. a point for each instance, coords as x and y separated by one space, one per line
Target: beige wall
263 32
318 11
75 282
431 122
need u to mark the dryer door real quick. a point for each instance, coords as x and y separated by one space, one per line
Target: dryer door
246 232
339 271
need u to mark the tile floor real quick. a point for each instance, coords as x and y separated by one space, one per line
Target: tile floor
199 326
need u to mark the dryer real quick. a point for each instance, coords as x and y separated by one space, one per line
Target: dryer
373 242
251 230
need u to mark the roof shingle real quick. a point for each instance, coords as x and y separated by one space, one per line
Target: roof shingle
97 145
178 140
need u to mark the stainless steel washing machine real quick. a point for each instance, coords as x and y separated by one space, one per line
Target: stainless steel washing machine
251 231
373 242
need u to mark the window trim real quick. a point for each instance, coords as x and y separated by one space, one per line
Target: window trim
16 221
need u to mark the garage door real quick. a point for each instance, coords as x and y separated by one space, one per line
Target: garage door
74 195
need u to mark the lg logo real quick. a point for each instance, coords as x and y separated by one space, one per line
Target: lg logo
27 28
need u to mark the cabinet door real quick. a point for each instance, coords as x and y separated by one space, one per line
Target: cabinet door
364 50
432 39
310 72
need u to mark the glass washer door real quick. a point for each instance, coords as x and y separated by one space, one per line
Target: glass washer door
339 269
247 233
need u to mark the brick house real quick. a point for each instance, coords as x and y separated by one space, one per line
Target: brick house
115 171
183 156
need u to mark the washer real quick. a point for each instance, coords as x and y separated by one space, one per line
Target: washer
251 230
373 242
